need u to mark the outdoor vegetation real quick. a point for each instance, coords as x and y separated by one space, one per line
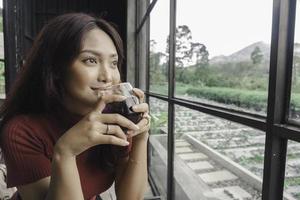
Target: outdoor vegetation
240 79
2 80
1 24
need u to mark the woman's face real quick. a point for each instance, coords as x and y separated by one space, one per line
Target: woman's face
95 68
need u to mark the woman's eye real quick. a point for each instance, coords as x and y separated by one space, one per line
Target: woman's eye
90 61
115 63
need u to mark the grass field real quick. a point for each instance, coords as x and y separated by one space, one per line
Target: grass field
249 99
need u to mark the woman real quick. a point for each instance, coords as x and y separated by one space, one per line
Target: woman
57 143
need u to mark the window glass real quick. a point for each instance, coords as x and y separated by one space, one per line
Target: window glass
295 96
216 158
158 156
2 78
159 50
223 52
292 171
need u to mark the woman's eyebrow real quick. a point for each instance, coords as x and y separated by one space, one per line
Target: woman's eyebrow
113 55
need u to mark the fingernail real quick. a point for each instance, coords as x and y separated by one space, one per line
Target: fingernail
136 127
126 143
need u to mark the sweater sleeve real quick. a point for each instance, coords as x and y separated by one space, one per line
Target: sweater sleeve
24 154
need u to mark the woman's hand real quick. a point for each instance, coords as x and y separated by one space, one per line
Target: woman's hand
95 128
144 124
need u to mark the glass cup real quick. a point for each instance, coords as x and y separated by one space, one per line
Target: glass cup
124 107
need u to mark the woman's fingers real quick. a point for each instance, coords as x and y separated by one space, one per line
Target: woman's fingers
117 119
108 134
145 122
111 139
142 108
144 125
114 130
139 93
107 98
114 135
113 98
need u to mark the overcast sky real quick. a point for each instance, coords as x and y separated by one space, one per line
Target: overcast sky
223 26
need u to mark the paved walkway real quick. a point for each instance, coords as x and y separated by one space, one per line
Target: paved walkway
223 182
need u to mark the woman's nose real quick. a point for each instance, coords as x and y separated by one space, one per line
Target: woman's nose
104 74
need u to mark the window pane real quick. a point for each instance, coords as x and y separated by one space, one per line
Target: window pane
2 78
223 52
295 96
292 171
158 58
158 142
216 157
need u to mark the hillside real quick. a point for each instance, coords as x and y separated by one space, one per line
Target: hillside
243 54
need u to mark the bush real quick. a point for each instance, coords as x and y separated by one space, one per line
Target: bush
295 103
242 98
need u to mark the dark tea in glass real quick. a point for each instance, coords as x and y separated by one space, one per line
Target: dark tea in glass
124 107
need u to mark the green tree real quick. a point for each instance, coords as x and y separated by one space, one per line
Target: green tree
188 53
157 64
183 37
296 68
257 56
200 53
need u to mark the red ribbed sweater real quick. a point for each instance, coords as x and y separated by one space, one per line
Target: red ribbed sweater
27 142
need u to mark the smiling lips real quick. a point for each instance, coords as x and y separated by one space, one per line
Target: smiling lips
99 90
100 87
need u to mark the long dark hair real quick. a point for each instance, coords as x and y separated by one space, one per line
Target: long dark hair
39 86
